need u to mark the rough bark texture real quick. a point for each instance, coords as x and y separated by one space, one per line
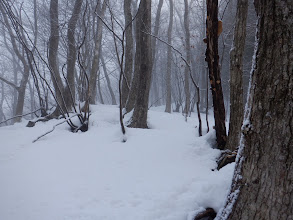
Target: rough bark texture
169 65
128 52
236 75
212 59
266 186
188 57
143 45
69 93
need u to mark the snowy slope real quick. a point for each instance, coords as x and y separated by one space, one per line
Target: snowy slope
162 173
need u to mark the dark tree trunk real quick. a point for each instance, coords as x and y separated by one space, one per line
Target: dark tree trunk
212 59
236 75
169 64
143 46
264 171
69 93
128 52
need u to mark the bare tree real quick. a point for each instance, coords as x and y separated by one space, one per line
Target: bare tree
236 75
53 57
169 58
71 54
143 47
212 59
188 57
154 83
19 51
100 10
129 50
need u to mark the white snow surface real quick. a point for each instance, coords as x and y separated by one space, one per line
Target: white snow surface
161 173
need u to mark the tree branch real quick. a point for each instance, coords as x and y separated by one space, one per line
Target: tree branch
62 122
9 83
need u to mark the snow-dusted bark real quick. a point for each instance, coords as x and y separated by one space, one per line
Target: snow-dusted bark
262 185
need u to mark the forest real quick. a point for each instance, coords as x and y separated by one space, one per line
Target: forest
146 109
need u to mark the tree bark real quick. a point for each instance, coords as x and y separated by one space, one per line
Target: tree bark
135 80
128 66
264 171
154 83
212 59
96 59
236 76
143 45
169 64
188 57
69 93
53 57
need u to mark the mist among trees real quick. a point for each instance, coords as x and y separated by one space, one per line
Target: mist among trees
229 60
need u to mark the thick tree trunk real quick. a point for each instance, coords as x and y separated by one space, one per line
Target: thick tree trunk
264 171
169 64
128 52
212 59
69 93
236 76
143 46
188 58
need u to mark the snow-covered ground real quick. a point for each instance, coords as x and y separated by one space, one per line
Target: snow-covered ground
162 173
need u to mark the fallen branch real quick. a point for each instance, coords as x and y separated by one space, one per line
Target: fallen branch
48 132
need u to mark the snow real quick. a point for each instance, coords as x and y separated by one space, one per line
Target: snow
161 173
